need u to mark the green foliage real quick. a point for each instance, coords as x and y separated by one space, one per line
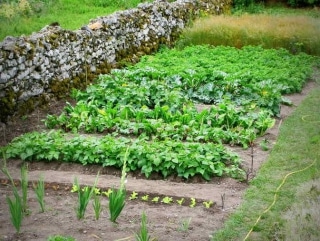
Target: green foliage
184 159
16 205
16 210
117 198
154 101
143 234
185 225
303 3
28 16
97 206
24 188
116 203
40 193
60 238
84 196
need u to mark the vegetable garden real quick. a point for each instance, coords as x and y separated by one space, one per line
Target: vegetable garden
153 108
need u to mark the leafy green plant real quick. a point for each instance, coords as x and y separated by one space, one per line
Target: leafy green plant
193 202
107 193
167 200
84 196
155 199
40 193
133 196
145 198
264 144
180 201
207 204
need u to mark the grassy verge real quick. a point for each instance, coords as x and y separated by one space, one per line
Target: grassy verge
17 19
297 148
294 32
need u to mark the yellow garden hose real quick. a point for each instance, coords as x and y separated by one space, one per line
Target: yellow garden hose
275 197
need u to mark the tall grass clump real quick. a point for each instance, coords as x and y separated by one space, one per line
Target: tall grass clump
15 204
143 234
117 197
84 196
295 33
39 190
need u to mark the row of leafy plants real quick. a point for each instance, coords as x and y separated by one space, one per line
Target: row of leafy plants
156 97
168 157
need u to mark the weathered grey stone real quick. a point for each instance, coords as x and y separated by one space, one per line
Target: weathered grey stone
57 53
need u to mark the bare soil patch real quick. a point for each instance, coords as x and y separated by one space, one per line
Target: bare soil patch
165 221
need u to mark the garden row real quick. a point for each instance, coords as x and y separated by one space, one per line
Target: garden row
155 102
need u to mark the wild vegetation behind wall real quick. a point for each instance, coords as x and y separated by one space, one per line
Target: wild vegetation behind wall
47 64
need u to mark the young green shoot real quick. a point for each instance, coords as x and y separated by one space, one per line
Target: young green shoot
192 202
133 196
180 201
107 193
145 198
39 190
166 200
155 199
207 204
184 225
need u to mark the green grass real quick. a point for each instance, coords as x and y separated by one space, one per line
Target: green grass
297 147
71 14
270 29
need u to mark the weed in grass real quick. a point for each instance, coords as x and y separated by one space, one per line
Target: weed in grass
39 190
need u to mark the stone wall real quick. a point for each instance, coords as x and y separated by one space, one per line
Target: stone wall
47 64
